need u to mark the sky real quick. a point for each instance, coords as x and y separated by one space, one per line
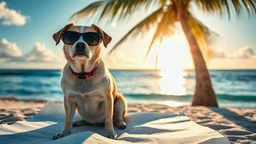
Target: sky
27 26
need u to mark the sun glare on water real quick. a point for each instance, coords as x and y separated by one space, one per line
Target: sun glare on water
172 82
170 57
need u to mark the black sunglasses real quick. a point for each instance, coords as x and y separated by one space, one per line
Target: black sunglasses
91 38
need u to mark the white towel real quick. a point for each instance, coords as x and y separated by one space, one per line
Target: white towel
149 127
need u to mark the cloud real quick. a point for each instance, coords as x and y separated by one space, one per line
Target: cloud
12 53
11 17
219 54
9 49
245 52
39 53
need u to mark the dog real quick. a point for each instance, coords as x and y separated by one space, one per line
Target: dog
86 82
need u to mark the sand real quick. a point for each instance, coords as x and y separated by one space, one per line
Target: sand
239 125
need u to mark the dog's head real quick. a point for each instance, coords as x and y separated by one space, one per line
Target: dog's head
81 42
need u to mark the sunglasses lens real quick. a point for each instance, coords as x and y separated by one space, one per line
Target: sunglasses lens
91 38
70 37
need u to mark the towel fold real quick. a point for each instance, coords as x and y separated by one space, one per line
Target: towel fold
148 127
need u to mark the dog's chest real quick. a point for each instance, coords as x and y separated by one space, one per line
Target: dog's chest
89 101
82 86
92 108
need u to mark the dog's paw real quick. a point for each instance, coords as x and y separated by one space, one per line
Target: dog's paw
61 134
120 125
112 135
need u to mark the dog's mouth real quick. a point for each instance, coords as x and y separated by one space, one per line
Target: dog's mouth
80 55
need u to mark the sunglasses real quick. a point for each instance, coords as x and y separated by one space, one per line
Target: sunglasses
91 38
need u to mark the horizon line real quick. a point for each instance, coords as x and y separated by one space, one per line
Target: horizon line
131 69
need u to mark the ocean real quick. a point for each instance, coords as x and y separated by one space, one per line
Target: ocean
234 88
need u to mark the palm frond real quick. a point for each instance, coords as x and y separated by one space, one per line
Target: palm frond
121 9
105 11
225 4
156 61
202 34
221 6
248 10
199 29
249 5
164 28
145 25
238 7
111 9
88 11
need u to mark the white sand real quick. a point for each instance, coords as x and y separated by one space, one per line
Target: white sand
239 125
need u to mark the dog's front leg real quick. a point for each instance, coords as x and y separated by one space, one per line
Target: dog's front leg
70 109
109 104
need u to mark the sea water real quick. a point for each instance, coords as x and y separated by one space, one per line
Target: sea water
233 88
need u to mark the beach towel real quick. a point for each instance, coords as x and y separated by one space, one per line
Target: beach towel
142 128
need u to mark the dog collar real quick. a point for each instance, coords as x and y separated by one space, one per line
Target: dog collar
84 75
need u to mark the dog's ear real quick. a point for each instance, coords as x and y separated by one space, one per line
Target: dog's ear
106 38
57 35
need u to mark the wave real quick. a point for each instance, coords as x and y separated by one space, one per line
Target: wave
27 92
40 73
244 98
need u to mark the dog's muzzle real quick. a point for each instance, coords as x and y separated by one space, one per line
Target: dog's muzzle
80 46
81 50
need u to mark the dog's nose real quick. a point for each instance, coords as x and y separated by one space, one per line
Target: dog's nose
80 46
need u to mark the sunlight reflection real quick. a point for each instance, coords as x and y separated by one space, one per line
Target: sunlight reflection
172 82
170 59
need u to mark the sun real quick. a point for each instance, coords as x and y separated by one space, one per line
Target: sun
170 62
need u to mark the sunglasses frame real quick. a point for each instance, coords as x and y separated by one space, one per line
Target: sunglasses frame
81 34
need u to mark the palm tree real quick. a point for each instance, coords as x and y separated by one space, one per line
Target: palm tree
168 13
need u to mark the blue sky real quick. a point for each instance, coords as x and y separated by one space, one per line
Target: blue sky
234 48
45 18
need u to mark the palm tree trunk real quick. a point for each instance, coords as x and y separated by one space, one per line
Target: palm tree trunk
204 94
